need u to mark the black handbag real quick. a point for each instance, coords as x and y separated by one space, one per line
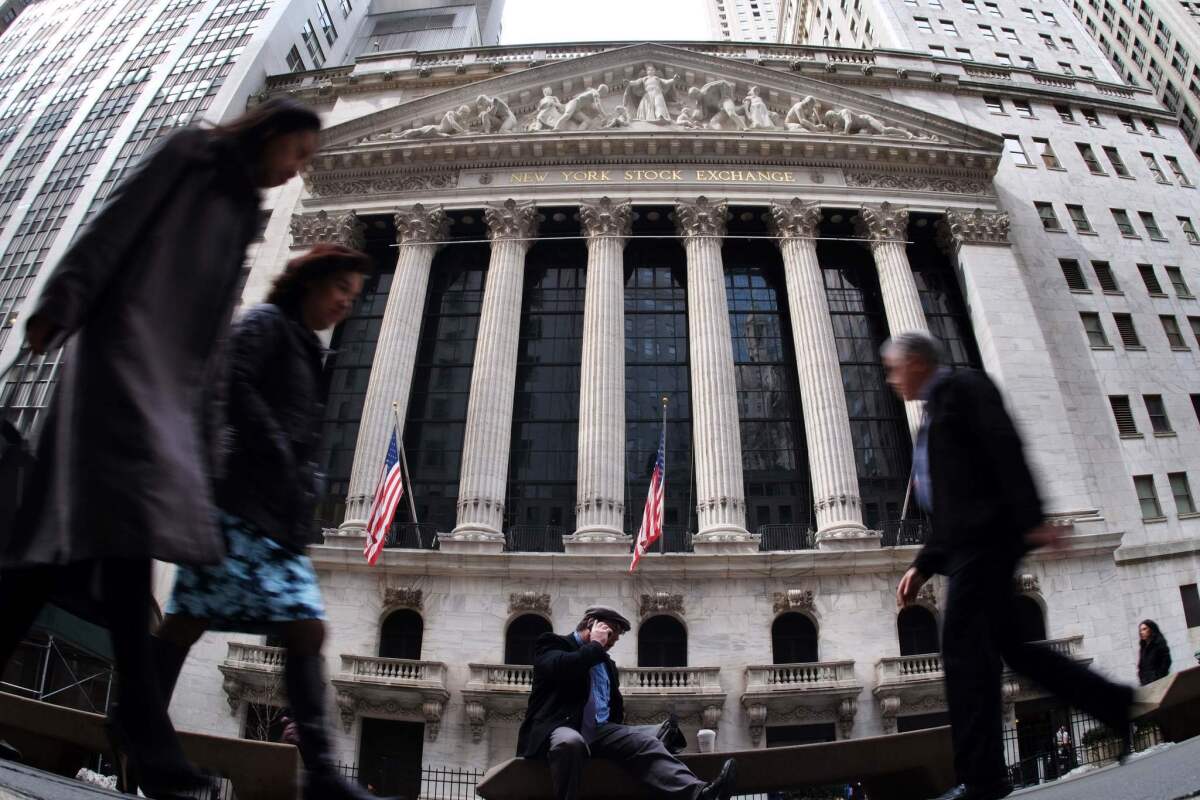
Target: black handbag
17 460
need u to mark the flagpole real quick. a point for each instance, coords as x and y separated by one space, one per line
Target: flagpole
662 540
412 506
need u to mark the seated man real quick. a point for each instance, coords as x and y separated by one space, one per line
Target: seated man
575 710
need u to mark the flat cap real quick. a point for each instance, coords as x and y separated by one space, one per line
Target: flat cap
609 615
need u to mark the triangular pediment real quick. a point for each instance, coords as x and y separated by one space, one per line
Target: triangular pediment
651 88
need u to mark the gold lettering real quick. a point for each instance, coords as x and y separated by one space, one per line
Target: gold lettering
788 176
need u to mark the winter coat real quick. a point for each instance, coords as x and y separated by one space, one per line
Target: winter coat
274 414
1154 660
128 451
562 682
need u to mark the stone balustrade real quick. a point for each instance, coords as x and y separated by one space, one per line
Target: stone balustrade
393 670
784 693
656 680
816 675
512 677
253 673
907 668
403 688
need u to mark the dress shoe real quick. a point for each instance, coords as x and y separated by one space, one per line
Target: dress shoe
722 788
672 738
969 791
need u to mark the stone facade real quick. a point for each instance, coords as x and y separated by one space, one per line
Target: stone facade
918 142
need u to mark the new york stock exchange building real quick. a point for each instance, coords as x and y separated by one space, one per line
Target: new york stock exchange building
567 235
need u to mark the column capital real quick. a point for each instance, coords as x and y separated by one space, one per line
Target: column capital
511 220
606 218
420 225
339 227
975 227
883 222
795 219
701 218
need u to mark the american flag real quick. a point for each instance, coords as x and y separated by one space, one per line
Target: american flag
383 507
652 517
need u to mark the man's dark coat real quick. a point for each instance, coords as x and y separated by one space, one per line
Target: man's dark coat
561 683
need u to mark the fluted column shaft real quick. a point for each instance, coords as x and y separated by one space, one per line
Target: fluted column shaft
716 437
887 228
831 463
600 484
487 440
418 232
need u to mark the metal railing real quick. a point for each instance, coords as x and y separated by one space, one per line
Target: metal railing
392 778
413 536
534 539
896 533
675 539
786 537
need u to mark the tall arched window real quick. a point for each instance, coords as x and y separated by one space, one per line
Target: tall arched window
401 634
1031 624
662 642
794 639
917 630
521 636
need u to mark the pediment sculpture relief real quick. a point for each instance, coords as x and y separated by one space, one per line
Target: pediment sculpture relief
655 102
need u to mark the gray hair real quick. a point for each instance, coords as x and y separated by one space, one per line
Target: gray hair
915 344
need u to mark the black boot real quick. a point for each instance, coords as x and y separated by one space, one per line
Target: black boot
306 696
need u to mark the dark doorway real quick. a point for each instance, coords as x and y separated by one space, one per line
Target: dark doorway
793 639
919 722
390 757
786 735
917 630
1031 625
521 637
662 642
401 635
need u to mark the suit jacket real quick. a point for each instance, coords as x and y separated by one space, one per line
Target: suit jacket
984 497
561 685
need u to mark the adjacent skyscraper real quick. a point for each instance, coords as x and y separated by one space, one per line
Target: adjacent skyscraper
744 20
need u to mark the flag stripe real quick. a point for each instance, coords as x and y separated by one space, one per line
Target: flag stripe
387 498
652 517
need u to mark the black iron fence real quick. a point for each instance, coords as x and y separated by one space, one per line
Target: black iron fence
413 536
786 537
1050 746
897 532
410 783
534 539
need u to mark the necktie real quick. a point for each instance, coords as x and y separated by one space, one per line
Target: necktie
587 727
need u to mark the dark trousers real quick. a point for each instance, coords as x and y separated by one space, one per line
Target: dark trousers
125 597
635 748
979 630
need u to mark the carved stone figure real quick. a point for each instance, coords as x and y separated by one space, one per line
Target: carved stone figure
850 122
646 97
494 114
585 111
806 115
454 121
549 111
690 117
756 111
716 106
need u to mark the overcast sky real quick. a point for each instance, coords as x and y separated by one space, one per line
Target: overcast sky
548 21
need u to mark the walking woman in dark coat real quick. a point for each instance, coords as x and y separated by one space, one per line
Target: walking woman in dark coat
126 457
266 584
1154 654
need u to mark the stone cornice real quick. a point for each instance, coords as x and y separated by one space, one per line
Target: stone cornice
784 565
606 218
421 225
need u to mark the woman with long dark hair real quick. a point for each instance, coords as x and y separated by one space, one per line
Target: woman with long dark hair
127 455
267 498
1154 654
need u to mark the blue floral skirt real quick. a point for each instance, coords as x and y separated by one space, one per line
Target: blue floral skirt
258 585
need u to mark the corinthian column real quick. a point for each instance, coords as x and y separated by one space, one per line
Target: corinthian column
886 227
600 486
419 232
488 435
716 438
316 227
826 421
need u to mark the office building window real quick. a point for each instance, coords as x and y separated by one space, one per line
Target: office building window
987 33
1047 41
1028 63
1123 222
1189 230
963 54
1024 109
1114 158
1151 280
993 9
1188 592
1049 218
1074 275
1123 414
346 8
923 24
937 50
948 27
1194 322
1147 496
1069 44
1182 492
1011 35
294 61
1127 332
1150 224
1092 117
1079 219
1105 277
326 21
1157 413
315 52
1174 334
1089 158
1003 58
1128 122
1175 276
1155 169
1094 329
1180 176
1151 126
1064 113
994 104
1047 153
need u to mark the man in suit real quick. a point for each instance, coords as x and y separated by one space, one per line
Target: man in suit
970 476
576 710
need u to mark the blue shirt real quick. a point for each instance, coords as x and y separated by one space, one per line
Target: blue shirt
601 689
922 485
